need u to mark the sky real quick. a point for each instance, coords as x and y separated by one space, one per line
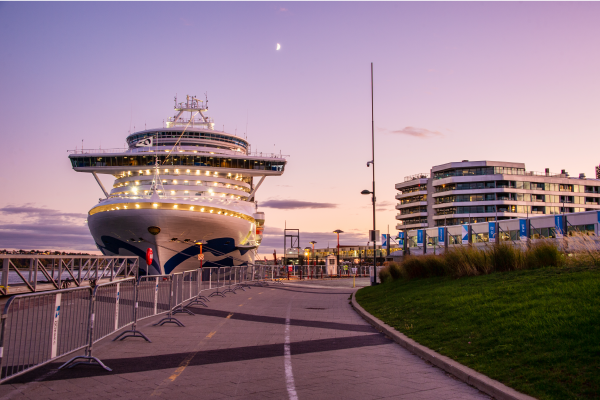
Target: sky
452 81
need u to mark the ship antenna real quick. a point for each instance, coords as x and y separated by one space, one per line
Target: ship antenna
131 118
246 133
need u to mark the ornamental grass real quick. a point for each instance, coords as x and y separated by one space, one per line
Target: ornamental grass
575 250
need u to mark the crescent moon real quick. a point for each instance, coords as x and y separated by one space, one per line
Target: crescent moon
278 46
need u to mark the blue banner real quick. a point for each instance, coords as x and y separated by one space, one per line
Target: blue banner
492 232
400 238
441 235
558 226
420 237
384 239
523 229
465 234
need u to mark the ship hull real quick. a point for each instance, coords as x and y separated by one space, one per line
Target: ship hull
125 232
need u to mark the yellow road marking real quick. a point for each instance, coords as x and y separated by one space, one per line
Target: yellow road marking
188 359
261 293
240 305
249 298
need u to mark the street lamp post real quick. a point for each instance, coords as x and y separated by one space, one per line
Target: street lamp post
307 255
338 231
314 257
372 163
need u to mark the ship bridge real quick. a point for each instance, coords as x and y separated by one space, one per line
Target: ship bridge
185 160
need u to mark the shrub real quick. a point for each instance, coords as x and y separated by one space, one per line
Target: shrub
384 275
395 271
413 267
506 257
543 254
435 265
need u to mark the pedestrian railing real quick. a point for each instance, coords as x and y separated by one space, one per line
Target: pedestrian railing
34 273
38 328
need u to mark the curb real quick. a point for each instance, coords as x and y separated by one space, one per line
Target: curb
487 385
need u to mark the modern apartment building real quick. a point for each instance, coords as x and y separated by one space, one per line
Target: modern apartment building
479 191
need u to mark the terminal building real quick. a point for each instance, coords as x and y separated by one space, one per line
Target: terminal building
470 192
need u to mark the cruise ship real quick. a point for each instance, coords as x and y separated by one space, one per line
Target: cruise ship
180 190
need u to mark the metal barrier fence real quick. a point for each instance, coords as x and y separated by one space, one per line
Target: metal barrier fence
279 272
38 328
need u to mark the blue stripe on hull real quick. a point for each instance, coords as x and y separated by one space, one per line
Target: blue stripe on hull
113 245
217 247
220 247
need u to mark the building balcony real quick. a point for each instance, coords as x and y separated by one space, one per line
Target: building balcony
400 227
413 204
413 215
415 182
401 196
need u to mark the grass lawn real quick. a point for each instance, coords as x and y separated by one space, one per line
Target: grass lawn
537 331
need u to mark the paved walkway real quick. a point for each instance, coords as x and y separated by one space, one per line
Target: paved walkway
279 342
347 283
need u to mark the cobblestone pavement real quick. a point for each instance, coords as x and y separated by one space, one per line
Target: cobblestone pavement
274 342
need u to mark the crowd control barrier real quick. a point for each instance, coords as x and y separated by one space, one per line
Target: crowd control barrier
38 328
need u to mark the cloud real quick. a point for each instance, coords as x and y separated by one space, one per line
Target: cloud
385 206
34 212
283 9
415 132
293 204
27 227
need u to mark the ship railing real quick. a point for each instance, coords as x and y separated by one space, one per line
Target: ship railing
39 272
208 200
38 328
98 151
267 155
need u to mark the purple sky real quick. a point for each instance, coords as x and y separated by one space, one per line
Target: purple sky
498 81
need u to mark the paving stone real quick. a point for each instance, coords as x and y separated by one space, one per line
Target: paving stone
334 354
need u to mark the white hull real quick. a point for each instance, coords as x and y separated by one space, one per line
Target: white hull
125 232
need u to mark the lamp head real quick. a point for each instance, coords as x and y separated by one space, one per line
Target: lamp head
366 192
313 242
338 231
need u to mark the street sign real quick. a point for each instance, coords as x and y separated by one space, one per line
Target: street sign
373 235
201 257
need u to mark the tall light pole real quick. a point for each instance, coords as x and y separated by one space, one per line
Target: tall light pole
338 231
314 256
307 256
372 162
